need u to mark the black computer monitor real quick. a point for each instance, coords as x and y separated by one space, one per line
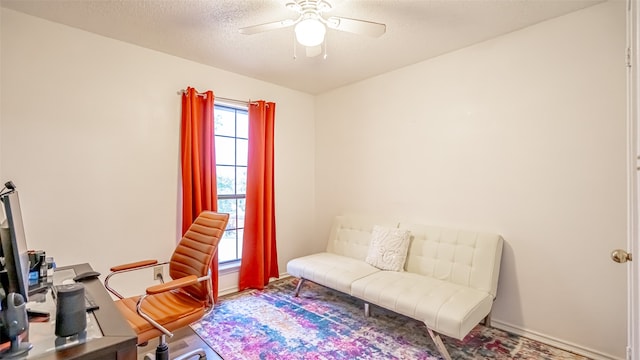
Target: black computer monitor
14 246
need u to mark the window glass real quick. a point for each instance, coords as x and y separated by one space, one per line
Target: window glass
226 176
227 248
243 125
242 151
226 150
231 139
224 123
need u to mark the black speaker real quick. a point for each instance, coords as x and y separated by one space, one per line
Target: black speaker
71 317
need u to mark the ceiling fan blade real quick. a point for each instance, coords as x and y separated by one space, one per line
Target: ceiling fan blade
250 30
360 27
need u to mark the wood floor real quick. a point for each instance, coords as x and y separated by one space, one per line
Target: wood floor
183 341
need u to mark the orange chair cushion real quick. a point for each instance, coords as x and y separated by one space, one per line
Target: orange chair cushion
173 310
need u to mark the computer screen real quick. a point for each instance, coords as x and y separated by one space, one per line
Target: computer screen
14 245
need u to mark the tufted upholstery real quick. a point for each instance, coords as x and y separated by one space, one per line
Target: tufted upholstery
448 308
449 281
332 270
195 250
351 234
184 311
466 258
343 262
182 306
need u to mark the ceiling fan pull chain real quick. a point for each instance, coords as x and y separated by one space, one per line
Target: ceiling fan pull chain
325 48
295 55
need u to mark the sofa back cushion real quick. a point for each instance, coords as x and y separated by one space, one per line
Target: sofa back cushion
461 257
351 234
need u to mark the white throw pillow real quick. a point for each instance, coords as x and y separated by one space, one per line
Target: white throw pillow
388 248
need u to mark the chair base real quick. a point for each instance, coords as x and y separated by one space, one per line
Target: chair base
202 355
162 352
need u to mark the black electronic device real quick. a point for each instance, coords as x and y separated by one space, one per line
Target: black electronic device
71 316
90 303
37 288
8 186
14 246
87 275
14 323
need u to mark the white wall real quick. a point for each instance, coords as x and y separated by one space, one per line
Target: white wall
523 135
90 136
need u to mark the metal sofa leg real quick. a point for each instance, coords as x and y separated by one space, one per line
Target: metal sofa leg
487 320
367 310
439 344
297 292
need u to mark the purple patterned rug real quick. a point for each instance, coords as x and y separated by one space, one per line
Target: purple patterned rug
326 324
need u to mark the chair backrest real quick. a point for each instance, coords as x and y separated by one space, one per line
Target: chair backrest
195 251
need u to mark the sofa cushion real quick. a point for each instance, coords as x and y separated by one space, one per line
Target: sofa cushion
351 234
467 258
331 270
388 248
448 308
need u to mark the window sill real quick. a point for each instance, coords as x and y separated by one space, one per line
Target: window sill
229 268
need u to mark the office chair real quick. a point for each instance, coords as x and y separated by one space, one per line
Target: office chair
187 298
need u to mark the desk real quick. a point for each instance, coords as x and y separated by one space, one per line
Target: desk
116 341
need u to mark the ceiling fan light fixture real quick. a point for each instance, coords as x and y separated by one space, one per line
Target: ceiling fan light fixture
293 6
310 32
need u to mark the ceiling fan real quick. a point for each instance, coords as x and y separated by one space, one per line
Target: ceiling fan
311 26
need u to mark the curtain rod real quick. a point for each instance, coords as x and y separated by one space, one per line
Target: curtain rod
242 102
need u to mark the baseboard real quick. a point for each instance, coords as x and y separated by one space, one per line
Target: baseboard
552 341
234 289
227 291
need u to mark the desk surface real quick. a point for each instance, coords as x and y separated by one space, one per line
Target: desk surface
118 340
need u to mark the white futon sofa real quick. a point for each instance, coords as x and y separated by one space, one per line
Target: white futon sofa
446 278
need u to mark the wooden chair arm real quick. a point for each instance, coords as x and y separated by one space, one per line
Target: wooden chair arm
172 285
134 265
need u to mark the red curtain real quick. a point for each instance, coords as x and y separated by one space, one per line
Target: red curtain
259 256
199 185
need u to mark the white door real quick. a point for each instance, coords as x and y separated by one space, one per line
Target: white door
633 99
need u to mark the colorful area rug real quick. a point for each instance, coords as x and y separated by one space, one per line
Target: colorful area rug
326 324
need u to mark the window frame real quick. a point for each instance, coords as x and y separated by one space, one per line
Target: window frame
236 228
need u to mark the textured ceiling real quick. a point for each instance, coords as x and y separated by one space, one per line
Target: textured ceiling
206 31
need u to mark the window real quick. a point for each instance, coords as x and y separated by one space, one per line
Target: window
232 142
